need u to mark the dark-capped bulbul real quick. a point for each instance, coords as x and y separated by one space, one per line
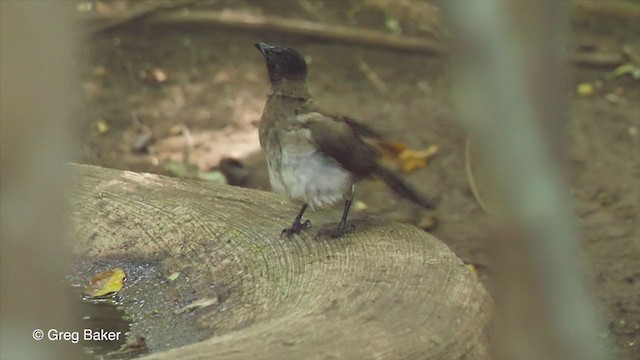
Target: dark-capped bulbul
314 156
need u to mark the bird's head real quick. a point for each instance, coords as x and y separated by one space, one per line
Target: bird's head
283 62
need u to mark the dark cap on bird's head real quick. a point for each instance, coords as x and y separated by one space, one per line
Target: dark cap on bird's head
283 62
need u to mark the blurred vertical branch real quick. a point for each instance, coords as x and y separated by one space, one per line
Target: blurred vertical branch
510 88
37 43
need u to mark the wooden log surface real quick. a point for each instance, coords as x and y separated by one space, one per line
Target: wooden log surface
384 291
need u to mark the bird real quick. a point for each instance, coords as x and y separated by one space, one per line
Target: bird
316 156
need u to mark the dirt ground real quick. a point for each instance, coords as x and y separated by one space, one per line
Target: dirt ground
161 79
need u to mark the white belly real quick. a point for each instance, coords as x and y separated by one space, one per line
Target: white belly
305 174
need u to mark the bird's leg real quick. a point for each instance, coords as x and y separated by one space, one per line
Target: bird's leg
342 227
297 225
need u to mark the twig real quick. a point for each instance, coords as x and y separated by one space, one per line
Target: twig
597 59
156 14
137 14
471 178
235 19
373 77
623 9
310 8
187 145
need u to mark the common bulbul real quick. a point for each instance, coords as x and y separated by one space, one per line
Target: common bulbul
315 156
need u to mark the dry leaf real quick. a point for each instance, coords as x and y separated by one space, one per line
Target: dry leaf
176 129
99 71
136 345
615 99
158 75
106 283
411 160
85 6
393 147
198 304
102 126
407 160
427 222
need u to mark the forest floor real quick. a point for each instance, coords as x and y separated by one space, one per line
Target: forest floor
160 79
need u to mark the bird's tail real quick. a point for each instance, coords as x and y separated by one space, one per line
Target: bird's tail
400 187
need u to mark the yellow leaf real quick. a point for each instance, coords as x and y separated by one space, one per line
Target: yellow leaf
585 89
102 126
359 206
393 147
472 270
409 164
397 155
413 159
99 71
106 283
173 276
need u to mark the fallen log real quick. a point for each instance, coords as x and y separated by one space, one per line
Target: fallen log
385 290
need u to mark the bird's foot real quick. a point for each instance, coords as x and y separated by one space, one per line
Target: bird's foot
336 232
295 228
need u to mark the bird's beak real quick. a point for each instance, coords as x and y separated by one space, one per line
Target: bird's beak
264 48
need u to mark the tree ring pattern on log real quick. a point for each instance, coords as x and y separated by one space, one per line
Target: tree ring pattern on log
386 291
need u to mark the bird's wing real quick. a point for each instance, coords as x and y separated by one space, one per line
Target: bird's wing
361 130
337 139
334 138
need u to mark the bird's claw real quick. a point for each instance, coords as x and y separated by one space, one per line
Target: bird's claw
295 228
